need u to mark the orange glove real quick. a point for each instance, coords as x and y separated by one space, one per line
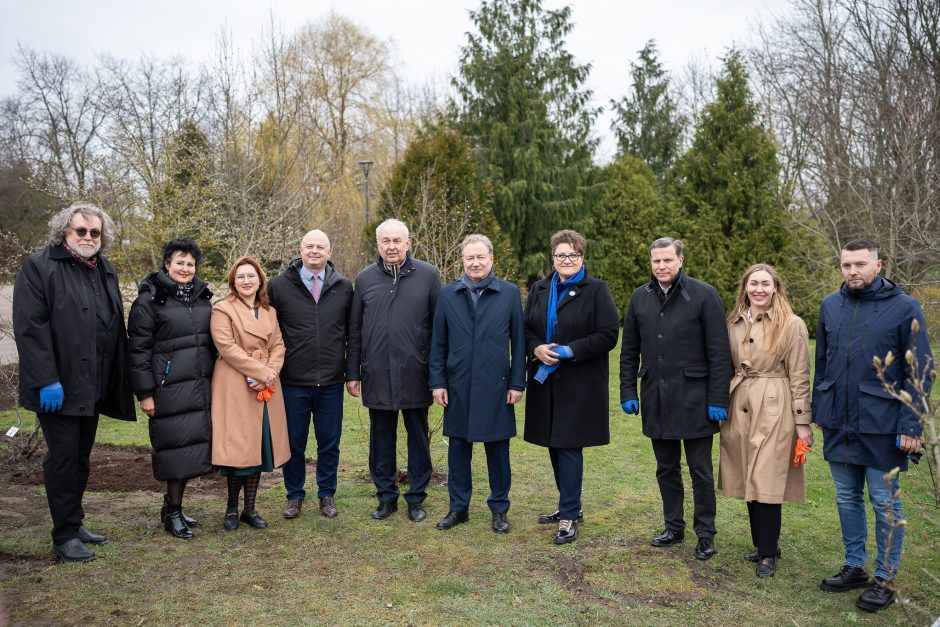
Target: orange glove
799 454
265 395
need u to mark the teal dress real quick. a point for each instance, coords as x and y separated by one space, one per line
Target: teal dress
267 449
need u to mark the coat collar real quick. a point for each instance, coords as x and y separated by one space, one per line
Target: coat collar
259 326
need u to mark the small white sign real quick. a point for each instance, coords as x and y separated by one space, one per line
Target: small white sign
12 431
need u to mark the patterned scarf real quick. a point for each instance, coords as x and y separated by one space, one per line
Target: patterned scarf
184 293
89 262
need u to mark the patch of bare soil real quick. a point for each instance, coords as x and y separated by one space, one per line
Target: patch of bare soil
19 565
116 469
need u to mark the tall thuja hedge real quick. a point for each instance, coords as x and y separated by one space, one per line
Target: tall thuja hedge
727 190
629 215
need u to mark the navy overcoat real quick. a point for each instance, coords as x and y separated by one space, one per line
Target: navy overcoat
477 355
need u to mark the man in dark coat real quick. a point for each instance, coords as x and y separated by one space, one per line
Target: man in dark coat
68 319
387 361
867 432
477 374
677 325
313 301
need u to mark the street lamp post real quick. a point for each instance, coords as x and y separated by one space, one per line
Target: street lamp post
366 165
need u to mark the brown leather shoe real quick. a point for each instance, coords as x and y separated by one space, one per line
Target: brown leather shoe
293 508
328 507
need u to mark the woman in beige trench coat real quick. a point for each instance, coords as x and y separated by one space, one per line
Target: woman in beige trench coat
249 425
770 409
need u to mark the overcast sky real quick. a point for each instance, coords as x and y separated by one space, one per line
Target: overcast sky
427 34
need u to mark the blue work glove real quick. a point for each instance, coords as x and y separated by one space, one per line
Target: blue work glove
630 407
563 352
51 397
716 413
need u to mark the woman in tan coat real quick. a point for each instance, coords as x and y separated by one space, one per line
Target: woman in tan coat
249 425
770 409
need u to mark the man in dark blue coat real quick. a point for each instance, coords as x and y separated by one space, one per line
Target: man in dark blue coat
477 374
387 361
677 325
68 319
867 432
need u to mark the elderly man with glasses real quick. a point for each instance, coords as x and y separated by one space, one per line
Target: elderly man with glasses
68 319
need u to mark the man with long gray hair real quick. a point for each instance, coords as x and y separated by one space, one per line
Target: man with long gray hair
68 319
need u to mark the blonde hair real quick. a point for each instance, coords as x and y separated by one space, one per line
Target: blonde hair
780 310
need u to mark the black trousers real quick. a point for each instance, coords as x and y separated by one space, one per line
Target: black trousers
69 440
383 463
765 519
460 483
568 468
698 456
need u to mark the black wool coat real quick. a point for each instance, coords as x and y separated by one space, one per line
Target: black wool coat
390 334
686 358
172 358
55 328
314 332
571 409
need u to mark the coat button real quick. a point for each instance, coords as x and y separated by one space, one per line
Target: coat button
744 409
799 411
751 340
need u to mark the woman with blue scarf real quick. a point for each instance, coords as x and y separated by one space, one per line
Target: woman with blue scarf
571 325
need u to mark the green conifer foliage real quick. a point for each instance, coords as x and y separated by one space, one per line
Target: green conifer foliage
522 103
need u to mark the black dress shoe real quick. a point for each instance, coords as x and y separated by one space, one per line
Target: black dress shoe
567 532
88 537
754 556
500 524
668 538
767 567
386 509
877 597
230 522
848 578
453 519
555 518
254 519
73 551
190 522
705 549
175 526
416 513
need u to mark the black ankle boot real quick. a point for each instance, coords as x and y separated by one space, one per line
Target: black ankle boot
175 525
190 522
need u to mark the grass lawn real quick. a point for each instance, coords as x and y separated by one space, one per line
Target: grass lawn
353 570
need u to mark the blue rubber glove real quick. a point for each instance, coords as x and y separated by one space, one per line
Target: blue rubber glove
51 397
563 352
716 413
630 407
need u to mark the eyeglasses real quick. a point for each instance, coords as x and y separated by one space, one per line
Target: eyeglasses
82 232
568 256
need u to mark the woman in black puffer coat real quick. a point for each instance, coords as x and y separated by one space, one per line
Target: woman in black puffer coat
172 356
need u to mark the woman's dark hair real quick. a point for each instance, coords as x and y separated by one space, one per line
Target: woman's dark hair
184 245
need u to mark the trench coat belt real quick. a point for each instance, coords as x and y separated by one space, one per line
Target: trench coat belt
260 354
746 371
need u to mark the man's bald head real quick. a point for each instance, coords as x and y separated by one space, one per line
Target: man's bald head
315 250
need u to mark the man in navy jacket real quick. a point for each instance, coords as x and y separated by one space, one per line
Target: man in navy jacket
477 374
867 432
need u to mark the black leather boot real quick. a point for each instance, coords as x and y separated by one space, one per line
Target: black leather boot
174 523
190 522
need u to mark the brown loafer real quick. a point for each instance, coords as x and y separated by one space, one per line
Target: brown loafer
293 508
328 507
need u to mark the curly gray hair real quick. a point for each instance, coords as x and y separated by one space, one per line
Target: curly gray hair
60 222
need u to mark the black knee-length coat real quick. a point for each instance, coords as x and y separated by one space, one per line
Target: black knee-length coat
571 409
172 358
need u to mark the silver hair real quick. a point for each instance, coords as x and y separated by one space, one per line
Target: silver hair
475 238
60 222
665 242
391 222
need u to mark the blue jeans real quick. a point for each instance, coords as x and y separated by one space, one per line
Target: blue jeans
326 404
850 481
